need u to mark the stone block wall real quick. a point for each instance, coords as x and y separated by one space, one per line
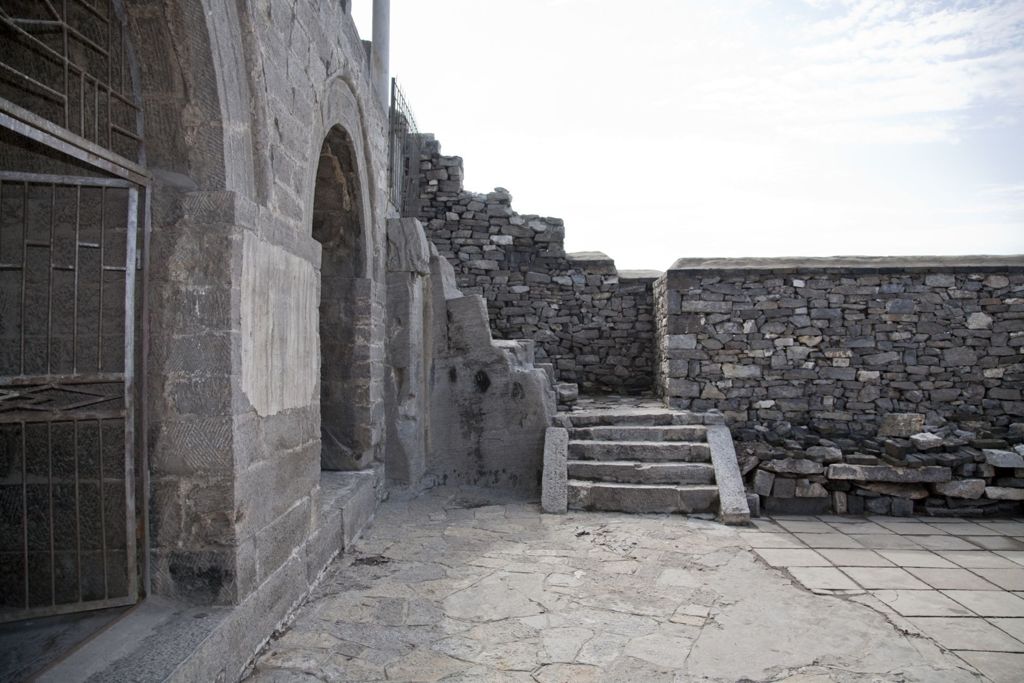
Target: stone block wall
831 346
856 385
593 323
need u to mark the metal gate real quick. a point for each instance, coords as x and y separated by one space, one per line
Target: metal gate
70 194
67 283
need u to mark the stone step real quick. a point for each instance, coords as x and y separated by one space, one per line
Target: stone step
640 433
632 472
635 416
643 451
616 497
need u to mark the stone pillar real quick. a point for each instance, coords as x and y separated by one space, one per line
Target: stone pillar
380 49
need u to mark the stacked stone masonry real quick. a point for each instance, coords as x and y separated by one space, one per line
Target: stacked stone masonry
592 322
856 385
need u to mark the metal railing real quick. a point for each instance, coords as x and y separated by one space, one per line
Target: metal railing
402 124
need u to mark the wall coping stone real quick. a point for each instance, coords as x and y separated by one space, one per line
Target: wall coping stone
640 274
867 264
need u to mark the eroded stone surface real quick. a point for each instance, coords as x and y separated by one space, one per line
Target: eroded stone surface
453 585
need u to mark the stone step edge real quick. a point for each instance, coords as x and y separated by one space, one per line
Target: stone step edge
646 487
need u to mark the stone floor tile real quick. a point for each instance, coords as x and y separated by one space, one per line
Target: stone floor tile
911 528
1007 579
807 527
861 526
822 578
998 667
785 557
1010 528
886 541
964 528
884 577
759 539
832 540
857 557
996 542
985 560
967 633
1015 627
916 558
1015 556
925 603
989 603
945 542
951 579
768 526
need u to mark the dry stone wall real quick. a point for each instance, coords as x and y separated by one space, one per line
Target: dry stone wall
852 385
593 323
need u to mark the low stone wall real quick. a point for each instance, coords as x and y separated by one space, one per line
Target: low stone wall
883 385
593 323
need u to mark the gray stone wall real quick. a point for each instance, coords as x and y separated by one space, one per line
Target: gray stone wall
238 99
832 346
592 322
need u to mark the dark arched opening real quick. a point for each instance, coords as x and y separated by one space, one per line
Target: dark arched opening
344 363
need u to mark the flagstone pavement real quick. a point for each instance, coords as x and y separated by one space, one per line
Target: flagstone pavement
463 585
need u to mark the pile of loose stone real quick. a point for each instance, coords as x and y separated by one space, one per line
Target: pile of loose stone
593 323
909 468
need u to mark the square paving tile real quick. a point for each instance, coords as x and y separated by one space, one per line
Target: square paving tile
916 558
995 542
962 528
946 542
805 527
989 603
822 578
886 541
983 559
832 540
1015 556
922 603
1007 579
860 557
911 528
768 526
952 579
960 633
758 539
884 577
1015 627
998 667
786 557
1010 528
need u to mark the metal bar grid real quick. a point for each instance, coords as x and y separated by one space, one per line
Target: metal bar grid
60 93
87 411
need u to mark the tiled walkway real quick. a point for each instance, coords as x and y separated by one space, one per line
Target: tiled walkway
461 585
956 581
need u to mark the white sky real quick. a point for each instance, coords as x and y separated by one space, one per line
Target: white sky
660 129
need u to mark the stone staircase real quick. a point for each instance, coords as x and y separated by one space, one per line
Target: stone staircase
650 460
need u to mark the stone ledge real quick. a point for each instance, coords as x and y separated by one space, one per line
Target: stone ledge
866 264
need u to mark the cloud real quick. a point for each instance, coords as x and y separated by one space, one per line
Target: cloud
871 71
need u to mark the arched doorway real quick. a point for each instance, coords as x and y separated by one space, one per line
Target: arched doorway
339 220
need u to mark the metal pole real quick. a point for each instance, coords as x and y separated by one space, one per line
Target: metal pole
380 49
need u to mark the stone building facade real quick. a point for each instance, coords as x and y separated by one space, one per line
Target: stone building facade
283 346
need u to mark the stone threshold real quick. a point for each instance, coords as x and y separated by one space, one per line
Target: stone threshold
163 639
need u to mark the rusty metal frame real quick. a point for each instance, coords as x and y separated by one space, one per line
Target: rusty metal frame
18 386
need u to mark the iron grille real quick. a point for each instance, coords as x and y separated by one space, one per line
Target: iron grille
66 61
402 124
67 282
